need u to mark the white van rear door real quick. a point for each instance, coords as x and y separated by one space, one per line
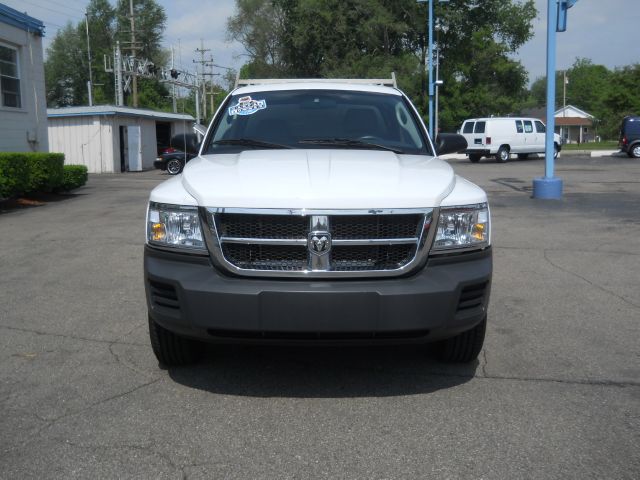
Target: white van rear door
479 134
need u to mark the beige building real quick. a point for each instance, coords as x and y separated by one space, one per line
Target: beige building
23 102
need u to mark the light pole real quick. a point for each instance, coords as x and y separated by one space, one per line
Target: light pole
90 82
432 86
550 186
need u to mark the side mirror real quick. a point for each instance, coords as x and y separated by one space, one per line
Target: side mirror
450 143
187 142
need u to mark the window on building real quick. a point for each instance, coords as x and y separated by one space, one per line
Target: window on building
9 78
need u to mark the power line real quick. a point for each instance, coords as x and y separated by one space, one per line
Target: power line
51 10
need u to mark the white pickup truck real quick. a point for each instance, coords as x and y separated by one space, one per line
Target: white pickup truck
318 211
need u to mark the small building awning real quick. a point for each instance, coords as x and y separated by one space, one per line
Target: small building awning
573 122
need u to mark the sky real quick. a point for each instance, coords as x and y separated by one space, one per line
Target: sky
597 29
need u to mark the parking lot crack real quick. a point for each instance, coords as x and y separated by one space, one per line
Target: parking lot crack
51 422
71 337
593 284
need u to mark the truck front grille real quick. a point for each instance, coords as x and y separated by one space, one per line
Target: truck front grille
318 243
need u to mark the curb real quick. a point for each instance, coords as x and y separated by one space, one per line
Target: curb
563 154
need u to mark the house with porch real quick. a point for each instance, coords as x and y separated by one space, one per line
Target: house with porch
571 123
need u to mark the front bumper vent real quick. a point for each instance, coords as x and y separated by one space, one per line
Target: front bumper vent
163 295
472 296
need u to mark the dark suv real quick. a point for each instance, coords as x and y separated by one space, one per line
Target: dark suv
629 141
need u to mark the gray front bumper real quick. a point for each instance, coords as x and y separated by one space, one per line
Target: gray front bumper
187 295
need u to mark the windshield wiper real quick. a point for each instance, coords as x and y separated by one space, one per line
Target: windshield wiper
348 142
249 142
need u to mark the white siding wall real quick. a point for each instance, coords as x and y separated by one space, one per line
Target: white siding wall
149 145
19 125
83 140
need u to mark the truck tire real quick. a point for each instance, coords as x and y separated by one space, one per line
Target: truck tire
171 349
503 154
474 157
556 150
635 151
464 347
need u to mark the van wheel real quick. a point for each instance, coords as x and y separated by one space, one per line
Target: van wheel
635 151
171 349
474 157
523 156
556 150
464 347
503 154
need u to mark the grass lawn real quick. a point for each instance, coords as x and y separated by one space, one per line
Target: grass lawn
612 145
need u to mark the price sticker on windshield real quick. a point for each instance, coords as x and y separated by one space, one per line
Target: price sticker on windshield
247 106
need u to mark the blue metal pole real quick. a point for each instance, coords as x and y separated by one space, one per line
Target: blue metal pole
551 86
550 186
430 56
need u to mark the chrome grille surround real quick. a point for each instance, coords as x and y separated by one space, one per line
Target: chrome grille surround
260 256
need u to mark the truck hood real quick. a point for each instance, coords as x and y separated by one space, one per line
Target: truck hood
318 179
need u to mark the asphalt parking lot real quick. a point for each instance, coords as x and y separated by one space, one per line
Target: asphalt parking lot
556 393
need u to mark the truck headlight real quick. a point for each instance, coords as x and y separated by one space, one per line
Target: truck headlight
462 227
174 226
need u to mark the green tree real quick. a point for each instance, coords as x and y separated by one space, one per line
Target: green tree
371 38
67 67
65 81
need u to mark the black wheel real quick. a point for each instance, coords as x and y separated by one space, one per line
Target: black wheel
171 349
523 156
474 157
503 154
465 347
635 151
556 150
174 166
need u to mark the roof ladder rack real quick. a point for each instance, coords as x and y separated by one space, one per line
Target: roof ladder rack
386 82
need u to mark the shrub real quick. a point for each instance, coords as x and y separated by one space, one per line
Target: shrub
45 171
74 176
28 172
14 174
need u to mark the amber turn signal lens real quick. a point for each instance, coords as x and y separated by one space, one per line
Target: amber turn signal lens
158 232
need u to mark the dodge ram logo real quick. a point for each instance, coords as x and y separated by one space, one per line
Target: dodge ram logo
319 243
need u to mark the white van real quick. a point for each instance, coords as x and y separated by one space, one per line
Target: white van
502 136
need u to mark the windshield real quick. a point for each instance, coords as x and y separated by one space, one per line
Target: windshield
317 119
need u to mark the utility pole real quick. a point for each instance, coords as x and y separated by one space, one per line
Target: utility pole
173 86
133 52
201 96
117 65
90 82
